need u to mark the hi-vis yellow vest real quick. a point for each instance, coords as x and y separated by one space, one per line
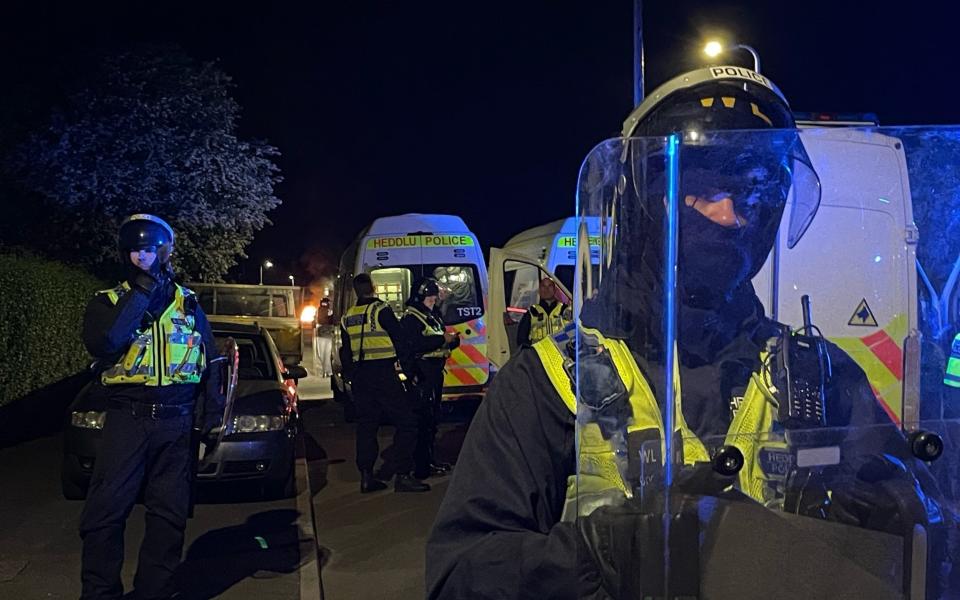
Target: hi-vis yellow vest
170 351
952 375
431 327
543 323
368 341
599 478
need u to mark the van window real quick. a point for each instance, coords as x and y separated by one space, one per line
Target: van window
461 297
392 285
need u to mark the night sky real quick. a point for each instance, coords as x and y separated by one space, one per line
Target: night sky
484 110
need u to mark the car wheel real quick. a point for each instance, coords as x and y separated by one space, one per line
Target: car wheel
73 482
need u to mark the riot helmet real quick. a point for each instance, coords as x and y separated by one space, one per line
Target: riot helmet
740 159
146 232
423 288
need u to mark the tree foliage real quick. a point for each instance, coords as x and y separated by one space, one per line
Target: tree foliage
150 131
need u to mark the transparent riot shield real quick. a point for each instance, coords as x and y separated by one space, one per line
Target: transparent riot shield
784 304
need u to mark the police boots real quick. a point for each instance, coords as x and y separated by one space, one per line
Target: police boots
408 483
369 483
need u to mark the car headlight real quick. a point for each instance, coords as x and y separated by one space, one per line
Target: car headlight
256 423
91 419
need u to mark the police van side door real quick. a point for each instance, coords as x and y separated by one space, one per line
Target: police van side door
514 283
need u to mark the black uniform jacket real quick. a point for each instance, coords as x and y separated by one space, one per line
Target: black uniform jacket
108 330
498 532
419 344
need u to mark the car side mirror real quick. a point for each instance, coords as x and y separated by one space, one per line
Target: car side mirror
294 372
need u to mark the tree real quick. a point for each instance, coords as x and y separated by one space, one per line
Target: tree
151 131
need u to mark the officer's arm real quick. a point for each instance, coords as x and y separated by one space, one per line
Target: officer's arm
346 354
523 330
108 328
413 331
497 533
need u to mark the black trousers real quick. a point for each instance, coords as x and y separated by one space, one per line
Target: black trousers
379 396
428 399
136 452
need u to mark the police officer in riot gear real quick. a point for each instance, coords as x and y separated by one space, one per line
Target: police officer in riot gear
547 317
541 504
372 348
429 347
156 357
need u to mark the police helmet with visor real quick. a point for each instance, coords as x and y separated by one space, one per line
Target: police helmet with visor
145 232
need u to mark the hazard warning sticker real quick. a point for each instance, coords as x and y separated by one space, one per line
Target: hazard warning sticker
863 316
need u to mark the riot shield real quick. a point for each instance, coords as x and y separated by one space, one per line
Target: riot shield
767 378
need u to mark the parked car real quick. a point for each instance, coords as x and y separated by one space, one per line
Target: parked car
257 443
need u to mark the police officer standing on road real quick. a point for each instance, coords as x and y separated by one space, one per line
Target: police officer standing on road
429 347
154 352
546 317
371 337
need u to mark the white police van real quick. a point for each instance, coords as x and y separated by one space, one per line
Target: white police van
397 250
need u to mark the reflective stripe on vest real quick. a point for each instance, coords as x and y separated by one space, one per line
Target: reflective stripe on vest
168 352
602 473
952 375
368 341
431 327
543 324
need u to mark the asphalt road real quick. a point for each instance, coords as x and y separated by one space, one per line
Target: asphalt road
40 547
371 545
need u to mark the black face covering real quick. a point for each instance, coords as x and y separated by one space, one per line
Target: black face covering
713 260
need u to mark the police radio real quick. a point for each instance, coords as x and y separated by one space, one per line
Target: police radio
801 372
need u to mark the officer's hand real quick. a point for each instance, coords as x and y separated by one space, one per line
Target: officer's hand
449 337
621 541
145 281
454 343
880 493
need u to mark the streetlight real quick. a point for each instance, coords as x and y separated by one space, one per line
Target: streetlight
266 265
715 48
290 277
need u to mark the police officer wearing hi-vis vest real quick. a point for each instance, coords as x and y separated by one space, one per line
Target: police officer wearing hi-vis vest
545 318
155 355
429 347
371 348
558 482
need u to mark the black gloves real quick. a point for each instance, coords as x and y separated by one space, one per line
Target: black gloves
145 281
882 494
623 544
626 543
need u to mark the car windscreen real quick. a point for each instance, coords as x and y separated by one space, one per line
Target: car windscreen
256 361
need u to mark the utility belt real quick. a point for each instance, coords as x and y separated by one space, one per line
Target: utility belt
153 411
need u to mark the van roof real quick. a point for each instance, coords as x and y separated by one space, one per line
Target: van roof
414 222
566 226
